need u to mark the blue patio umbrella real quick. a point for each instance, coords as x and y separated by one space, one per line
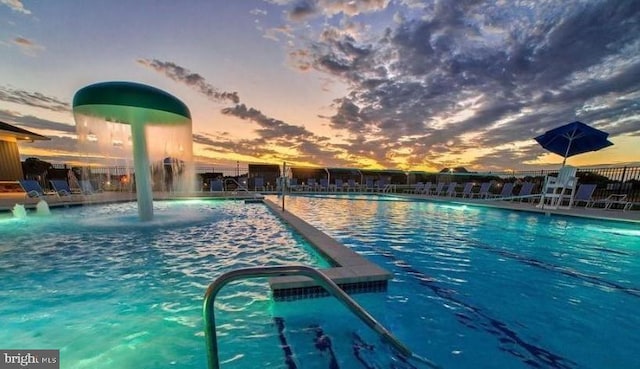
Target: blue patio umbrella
573 139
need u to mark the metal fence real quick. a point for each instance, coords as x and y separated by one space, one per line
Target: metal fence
623 180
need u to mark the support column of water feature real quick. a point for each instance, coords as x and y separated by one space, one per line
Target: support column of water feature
144 192
101 109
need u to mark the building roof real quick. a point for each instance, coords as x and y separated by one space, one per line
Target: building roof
19 133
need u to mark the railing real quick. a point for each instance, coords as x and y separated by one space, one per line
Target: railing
624 180
318 277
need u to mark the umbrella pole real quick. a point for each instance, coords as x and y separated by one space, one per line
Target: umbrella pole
567 152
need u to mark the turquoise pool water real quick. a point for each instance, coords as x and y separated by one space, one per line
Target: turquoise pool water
110 292
485 288
472 287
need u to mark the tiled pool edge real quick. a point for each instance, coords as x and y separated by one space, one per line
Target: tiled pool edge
353 273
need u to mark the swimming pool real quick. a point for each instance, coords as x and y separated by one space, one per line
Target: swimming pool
486 288
473 287
111 292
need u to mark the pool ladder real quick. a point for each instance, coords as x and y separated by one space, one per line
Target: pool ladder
289 270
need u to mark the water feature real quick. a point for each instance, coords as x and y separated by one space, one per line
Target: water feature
115 120
42 208
19 211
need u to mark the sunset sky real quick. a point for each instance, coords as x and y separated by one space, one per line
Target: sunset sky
398 84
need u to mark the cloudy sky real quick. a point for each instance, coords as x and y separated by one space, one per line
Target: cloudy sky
402 84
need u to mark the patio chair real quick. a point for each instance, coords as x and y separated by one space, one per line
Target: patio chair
559 188
61 187
506 192
33 188
258 184
324 185
438 189
451 189
584 194
351 185
416 188
525 192
216 185
483 193
338 185
427 188
467 190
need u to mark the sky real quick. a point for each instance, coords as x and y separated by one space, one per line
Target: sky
396 84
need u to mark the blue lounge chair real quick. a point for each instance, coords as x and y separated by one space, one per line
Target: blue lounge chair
525 192
258 184
216 185
61 187
351 185
338 184
451 189
467 190
585 195
507 191
439 188
32 188
483 193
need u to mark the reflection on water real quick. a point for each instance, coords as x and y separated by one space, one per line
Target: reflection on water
113 292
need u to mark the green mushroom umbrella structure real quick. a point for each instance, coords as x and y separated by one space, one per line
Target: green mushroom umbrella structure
125 116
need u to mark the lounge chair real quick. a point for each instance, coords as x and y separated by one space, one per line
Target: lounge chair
559 188
33 188
338 185
324 185
507 191
584 194
438 190
351 185
293 184
483 193
451 189
525 192
61 187
616 199
467 190
258 184
312 185
216 185
427 188
416 188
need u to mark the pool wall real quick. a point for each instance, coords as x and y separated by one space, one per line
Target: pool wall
351 271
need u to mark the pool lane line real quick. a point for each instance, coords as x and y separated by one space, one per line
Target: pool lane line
497 328
359 346
288 353
554 268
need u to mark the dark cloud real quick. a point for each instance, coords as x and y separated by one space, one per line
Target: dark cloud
303 9
442 75
35 99
32 123
193 80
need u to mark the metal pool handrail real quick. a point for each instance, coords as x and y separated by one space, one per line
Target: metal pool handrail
287 270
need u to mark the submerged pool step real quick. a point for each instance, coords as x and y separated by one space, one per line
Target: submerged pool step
312 347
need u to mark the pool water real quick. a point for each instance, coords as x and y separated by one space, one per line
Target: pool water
486 288
111 292
473 287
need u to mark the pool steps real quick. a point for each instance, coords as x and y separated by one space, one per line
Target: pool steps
287 270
